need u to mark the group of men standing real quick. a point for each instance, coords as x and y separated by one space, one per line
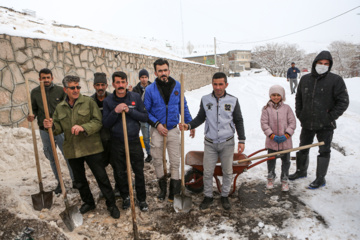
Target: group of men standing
89 129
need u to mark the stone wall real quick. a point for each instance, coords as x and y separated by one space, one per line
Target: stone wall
22 58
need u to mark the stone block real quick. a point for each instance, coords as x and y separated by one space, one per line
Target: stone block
16 73
28 52
81 73
85 64
46 45
51 65
89 75
39 64
37 52
47 57
68 59
17 114
17 43
99 61
60 47
4 115
29 42
76 49
19 95
91 56
7 80
77 61
54 55
5 98
84 55
66 46
6 52
58 74
20 57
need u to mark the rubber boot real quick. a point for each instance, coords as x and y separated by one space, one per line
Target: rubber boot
302 163
321 170
162 186
174 189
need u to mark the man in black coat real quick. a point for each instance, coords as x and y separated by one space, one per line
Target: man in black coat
321 98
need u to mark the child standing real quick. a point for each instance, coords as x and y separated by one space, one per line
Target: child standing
278 123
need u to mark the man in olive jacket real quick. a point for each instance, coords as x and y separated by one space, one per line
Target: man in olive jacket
321 98
80 118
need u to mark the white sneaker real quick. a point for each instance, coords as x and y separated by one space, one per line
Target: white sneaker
284 186
270 183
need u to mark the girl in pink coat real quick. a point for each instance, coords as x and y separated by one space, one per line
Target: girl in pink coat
278 123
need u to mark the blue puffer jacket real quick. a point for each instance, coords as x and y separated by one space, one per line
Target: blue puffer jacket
113 120
159 112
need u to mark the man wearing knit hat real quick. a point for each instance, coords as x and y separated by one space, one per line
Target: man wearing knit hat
145 128
100 86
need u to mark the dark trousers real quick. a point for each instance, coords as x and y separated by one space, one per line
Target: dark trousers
118 161
96 166
271 164
326 135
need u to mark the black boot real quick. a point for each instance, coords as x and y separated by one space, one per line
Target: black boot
321 170
162 186
302 163
174 189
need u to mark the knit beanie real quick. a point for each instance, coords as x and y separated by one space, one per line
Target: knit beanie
100 77
279 90
143 72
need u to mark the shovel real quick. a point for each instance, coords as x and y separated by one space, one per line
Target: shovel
42 199
164 157
182 203
71 215
128 169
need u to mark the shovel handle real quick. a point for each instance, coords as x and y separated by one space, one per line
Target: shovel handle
182 134
128 169
34 137
51 135
282 152
164 155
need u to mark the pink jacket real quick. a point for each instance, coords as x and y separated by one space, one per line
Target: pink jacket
278 121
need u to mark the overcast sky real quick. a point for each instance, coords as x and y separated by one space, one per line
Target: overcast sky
202 20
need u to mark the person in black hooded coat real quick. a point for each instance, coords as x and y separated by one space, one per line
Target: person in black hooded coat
321 98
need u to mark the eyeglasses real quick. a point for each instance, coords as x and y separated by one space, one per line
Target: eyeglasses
73 88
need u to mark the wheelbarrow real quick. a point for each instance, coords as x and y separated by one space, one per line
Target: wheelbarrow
241 163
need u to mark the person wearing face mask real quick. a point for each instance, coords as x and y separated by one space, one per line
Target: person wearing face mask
321 98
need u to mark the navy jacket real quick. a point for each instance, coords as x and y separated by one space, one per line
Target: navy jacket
159 112
292 72
321 99
113 120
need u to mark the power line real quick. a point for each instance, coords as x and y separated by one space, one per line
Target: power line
292 32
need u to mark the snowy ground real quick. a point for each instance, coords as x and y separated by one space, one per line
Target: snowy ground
331 212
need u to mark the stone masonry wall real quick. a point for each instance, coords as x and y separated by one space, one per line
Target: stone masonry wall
22 58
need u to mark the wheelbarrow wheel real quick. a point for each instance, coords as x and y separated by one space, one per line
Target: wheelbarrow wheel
190 177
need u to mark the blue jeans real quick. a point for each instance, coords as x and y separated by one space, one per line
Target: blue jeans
59 141
145 130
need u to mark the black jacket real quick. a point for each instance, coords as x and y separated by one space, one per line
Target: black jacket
113 121
321 99
138 89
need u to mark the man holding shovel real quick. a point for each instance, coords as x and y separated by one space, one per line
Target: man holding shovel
130 102
79 118
222 116
162 101
54 94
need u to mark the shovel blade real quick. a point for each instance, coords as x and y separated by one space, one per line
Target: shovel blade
42 200
182 203
72 217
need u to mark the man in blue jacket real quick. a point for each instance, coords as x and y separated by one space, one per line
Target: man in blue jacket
292 77
162 101
130 102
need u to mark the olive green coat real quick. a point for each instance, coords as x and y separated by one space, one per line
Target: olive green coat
85 113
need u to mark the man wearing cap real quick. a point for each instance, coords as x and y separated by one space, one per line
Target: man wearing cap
100 86
321 98
292 77
145 127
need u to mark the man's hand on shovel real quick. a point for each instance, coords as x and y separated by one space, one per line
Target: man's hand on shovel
186 127
48 123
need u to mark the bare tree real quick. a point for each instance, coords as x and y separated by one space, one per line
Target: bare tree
346 58
276 57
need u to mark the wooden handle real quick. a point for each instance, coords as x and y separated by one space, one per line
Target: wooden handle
164 156
51 136
182 135
282 152
128 169
34 137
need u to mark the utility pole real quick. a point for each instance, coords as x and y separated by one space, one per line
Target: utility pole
215 51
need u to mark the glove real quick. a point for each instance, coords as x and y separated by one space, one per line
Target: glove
276 138
282 139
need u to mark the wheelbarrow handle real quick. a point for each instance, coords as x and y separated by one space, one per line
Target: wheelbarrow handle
282 152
